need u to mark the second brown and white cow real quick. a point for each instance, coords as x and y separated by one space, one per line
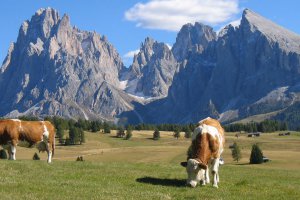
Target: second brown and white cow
206 148
14 130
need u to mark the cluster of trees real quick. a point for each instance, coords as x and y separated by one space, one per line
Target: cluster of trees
265 126
256 156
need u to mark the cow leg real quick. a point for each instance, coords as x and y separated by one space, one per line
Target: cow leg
9 152
13 150
49 152
215 171
207 176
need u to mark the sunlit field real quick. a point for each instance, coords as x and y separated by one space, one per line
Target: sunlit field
142 168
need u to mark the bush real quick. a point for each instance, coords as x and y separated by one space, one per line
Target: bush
106 128
79 158
121 133
188 134
156 135
128 133
3 154
177 134
236 152
36 157
256 156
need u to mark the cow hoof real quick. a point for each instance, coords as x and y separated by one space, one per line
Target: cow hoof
215 186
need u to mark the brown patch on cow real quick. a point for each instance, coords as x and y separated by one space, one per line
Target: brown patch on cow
30 131
205 146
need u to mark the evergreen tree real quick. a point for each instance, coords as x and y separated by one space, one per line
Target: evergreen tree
3 154
256 156
236 152
36 157
128 133
177 134
106 127
156 134
76 135
188 133
60 133
121 132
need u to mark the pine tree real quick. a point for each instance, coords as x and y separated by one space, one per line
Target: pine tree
177 134
36 157
236 152
121 132
128 133
188 133
3 154
156 134
256 156
106 127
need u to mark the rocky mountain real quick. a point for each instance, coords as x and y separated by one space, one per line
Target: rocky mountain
192 39
152 70
56 69
250 69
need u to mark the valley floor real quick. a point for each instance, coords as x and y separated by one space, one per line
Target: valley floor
142 168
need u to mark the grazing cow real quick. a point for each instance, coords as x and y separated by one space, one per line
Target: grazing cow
13 130
206 148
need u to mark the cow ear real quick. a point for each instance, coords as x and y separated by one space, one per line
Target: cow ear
183 164
202 166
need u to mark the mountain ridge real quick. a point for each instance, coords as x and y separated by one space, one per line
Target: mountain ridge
56 69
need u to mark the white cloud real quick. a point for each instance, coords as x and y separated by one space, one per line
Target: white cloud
172 14
131 54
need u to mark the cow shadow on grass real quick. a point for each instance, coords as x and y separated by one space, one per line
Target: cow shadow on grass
162 181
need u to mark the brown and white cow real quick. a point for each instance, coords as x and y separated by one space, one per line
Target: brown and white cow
14 130
206 148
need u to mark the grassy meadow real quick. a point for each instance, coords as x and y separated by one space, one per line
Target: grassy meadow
142 168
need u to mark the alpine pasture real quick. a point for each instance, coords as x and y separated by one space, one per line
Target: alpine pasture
142 168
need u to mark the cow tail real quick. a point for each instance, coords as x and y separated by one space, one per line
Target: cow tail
53 144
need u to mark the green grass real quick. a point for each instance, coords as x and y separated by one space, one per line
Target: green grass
145 169
96 180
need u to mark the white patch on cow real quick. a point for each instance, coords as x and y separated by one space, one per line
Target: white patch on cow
15 120
213 131
215 170
195 173
46 132
13 152
49 156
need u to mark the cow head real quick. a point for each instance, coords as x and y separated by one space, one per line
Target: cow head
195 171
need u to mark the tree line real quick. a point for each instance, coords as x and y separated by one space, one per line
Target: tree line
266 126
76 129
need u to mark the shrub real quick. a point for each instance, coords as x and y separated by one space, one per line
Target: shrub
36 157
106 128
188 134
3 154
121 133
79 158
128 133
156 135
236 152
256 156
177 134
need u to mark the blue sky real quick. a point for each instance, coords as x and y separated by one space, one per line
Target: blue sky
126 23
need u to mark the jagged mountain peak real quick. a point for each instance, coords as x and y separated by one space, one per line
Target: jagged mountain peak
192 38
286 39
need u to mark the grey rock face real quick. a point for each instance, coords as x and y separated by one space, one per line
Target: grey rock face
247 70
152 71
192 39
57 69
